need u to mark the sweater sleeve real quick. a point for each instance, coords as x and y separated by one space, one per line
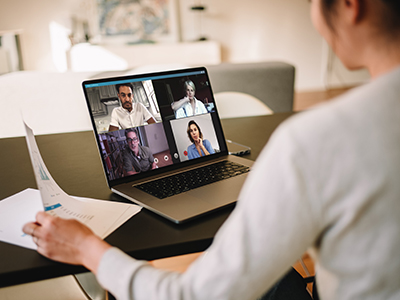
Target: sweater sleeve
272 225
180 113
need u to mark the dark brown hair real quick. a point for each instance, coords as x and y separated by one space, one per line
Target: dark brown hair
188 130
328 10
134 130
128 84
390 20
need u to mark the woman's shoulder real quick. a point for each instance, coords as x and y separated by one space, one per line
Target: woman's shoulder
358 111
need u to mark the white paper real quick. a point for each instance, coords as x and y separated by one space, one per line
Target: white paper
15 212
21 208
102 217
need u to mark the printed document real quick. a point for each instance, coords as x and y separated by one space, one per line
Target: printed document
102 217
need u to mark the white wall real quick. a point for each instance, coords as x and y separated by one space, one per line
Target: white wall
249 31
34 17
259 30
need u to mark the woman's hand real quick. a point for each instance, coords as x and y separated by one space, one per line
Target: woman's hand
67 241
199 143
200 147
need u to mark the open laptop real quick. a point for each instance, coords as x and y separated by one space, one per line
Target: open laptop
163 166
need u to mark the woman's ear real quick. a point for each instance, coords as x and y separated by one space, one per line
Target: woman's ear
352 10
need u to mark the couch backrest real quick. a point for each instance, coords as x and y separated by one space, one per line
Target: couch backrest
271 82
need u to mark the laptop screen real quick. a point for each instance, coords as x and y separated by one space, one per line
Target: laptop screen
151 123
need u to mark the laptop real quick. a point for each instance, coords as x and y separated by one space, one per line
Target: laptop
160 151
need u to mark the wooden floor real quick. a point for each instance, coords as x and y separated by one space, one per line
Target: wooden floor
305 265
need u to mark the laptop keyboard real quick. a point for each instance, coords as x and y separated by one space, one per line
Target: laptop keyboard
189 180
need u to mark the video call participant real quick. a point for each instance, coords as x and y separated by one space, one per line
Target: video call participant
136 158
189 105
199 147
128 114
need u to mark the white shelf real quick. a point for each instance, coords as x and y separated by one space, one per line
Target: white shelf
87 57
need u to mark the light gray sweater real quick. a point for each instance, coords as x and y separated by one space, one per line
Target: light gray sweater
328 181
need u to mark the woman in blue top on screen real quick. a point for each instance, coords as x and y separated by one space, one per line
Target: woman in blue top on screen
189 105
199 147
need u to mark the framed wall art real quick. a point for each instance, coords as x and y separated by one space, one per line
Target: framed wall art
138 21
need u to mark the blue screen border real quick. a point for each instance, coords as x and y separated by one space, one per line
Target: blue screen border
90 85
